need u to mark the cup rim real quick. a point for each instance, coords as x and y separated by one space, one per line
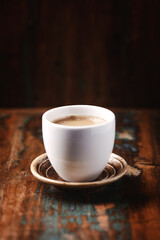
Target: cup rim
44 117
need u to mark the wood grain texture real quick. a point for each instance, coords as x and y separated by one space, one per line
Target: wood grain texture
126 209
86 51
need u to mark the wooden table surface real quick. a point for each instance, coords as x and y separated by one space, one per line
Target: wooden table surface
126 209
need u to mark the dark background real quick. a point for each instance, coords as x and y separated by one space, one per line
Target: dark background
101 52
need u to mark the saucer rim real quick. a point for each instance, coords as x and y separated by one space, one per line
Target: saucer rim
61 183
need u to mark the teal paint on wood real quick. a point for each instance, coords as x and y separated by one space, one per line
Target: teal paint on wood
118 215
126 134
126 147
50 221
128 128
62 211
129 146
24 220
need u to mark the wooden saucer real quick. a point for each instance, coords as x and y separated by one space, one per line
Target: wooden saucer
41 168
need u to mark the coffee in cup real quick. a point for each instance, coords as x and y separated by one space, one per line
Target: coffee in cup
79 120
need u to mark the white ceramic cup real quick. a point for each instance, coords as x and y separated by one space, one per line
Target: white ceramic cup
78 153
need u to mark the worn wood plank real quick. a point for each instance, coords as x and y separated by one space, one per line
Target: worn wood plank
126 209
16 180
